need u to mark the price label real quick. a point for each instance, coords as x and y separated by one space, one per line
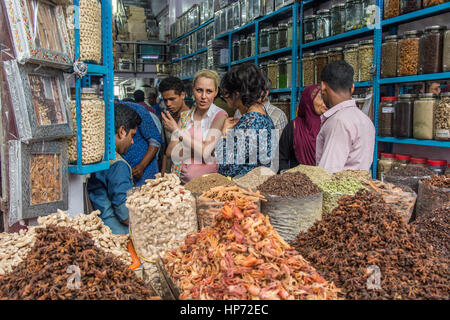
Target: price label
387 110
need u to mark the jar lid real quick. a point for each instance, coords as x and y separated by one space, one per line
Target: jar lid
309 54
310 17
402 157
337 49
273 29
418 160
388 155
351 45
323 11
243 40
338 5
437 162
283 25
407 95
435 28
322 52
283 60
412 33
389 99
427 95
392 38
365 42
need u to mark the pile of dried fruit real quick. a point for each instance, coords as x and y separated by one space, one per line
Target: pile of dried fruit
204 183
289 184
65 264
433 227
241 256
362 235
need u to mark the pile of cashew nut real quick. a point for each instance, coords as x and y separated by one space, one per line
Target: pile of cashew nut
162 214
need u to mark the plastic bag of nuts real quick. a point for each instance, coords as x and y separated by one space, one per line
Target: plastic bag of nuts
92 128
433 193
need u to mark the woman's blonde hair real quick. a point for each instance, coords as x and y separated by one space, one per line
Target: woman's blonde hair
210 74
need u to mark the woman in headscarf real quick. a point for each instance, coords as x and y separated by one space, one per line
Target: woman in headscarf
298 140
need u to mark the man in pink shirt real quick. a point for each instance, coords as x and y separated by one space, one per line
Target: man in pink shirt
347 137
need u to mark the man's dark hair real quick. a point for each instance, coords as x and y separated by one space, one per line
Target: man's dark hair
338 75
125 116
139 96
248 80
172 83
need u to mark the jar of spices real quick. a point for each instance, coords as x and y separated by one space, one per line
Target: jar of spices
446 52
351 57
385 164
389 52
289 73
369 12
442 118
264 41
338 19
423 124
269 6
249 46
430 50
282 73
282 35
407 6
308 69
309 28
438 166
429 3
403 115
264 69
401 161
386 115
408 60
418 162
391 8
290 33
242 49
323 24
365 54
273 39
236 50
335 54
321 60
272 73
353 14
253 45
448 169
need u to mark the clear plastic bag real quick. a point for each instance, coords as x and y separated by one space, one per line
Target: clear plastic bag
430 198
290 215
412 182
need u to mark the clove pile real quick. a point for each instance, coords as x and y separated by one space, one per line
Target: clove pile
289 184
366 249
65 264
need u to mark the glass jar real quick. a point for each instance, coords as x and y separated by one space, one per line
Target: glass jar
249 46
430 50
442 118
263 67
353 14
335 54
309 28
253 45
389 52
401 161
308 67
368 13
337 19
235 50
321 60
386 115
437 166
323 24
403 115
273 39
269 6
407 6
282 36
272 74
289 73
391 8
282 73
423 123
264 41
429 3
365 57
352 58
446 52
408 59
244 12
448 169
242 49
278 4
290 33
385 164
418 162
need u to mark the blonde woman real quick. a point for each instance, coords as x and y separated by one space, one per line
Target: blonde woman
195 135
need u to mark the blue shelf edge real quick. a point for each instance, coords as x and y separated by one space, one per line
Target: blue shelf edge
284 90
90 168
242 60
190 55
192 31
416 78
363 84
338 37
275 52
420 14
431 143
97 69
187 78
